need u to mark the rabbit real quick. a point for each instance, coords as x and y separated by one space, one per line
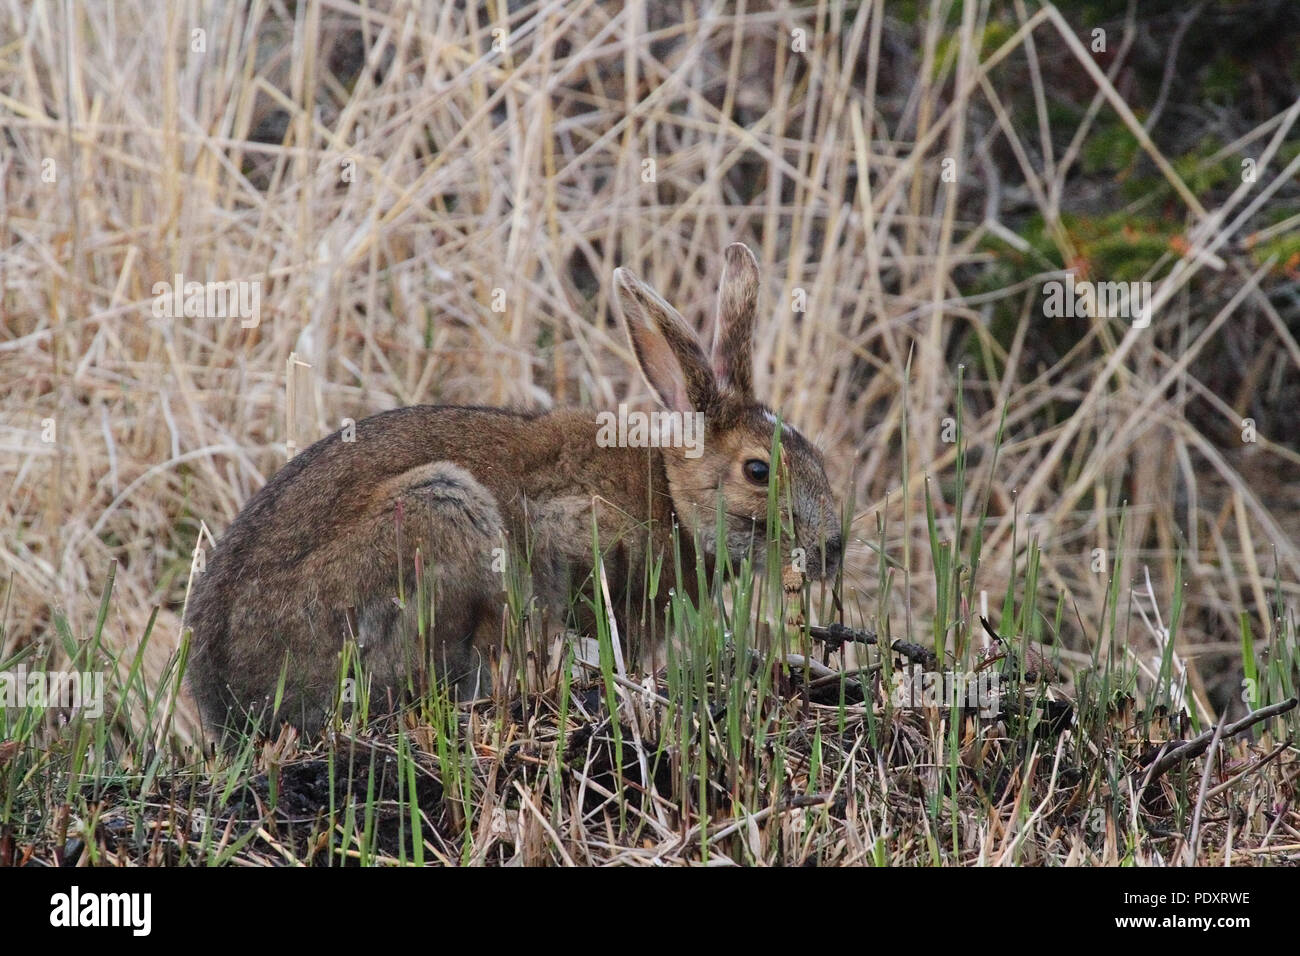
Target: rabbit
315 556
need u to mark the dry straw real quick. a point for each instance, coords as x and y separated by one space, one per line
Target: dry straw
431 213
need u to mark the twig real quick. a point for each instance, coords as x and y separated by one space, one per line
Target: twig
848 676
1166 759
1194 839
838 635
544 823
1257 765
796 802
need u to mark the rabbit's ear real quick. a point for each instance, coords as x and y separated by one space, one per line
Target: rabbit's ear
667 351
733 335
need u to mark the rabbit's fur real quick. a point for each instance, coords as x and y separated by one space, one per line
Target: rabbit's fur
314 556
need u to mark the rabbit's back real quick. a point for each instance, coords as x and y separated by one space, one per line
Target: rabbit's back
316 555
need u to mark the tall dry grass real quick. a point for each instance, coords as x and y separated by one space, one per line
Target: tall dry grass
387 176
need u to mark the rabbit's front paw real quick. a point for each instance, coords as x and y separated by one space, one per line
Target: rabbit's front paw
792 582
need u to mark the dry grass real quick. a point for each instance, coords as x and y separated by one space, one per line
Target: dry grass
431 219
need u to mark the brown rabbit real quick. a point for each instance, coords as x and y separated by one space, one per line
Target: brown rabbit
314 557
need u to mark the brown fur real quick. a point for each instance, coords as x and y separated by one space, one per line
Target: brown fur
314 556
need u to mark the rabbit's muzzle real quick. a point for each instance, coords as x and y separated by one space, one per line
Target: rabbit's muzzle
821 558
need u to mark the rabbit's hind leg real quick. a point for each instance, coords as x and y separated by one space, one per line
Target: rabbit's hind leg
439 621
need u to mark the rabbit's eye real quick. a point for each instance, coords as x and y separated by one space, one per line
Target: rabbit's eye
756 471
